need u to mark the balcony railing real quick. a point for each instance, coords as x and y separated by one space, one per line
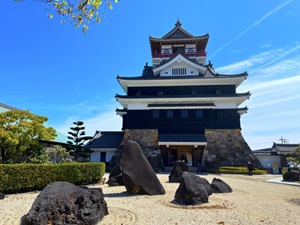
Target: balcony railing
169 55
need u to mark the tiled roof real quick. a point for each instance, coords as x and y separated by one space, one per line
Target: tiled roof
277 149
4 108
105 139
265 152
284 148
150 76
182 138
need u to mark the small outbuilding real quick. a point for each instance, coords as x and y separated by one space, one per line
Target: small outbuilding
103 145
274 158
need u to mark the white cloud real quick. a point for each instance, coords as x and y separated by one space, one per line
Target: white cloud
96 115
261 63
253 25
274 104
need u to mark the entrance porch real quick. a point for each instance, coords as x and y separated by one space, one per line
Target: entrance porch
182 147
190 154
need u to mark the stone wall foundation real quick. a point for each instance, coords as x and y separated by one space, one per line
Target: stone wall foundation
227 147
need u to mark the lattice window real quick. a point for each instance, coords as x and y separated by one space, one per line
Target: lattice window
155 113
199 113
169 113
184 113
179 71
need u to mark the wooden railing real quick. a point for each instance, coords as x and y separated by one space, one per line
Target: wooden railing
168 55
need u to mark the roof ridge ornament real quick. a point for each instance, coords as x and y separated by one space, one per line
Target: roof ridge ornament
177 24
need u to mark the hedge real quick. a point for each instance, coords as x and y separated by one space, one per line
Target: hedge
240 170
16 178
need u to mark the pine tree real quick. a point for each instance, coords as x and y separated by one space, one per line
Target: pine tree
77 135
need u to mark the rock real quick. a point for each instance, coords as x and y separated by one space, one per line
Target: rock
1 195
219 186
138 175
66 203
193 190
177 171
290 176
153 156
115 176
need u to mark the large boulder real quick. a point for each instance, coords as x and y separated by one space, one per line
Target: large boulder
66 203
193 190
219 186
138 175
177 171
115 177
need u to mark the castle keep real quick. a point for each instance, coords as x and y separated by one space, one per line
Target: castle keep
181 108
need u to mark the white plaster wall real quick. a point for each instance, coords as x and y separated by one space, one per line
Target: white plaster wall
137 106
267 162
189 69
109 155
225 105
95 157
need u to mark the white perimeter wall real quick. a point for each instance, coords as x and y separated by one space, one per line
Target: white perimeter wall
95 156
267 162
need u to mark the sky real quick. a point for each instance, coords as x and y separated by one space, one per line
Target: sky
54 70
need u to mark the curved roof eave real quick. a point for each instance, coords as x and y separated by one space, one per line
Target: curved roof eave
203 37
239 98
179 81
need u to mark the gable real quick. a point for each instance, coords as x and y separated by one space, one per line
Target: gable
179 66
178 34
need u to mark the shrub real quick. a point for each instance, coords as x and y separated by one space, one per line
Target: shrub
29 177
240 170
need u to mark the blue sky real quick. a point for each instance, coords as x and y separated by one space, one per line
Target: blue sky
54 70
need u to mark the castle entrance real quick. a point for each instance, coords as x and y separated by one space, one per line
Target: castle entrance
187 153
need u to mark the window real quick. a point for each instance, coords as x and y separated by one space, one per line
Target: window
160 93
184 113
199 113
155 113
220 115
169 113
190 50
179 71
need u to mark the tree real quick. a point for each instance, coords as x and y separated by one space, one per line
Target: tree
78 137
57 154
78 12
21 133
294 157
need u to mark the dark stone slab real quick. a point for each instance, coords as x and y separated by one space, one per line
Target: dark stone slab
66 203
2 196
177 171
115 176
219 186
138 175
193 190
